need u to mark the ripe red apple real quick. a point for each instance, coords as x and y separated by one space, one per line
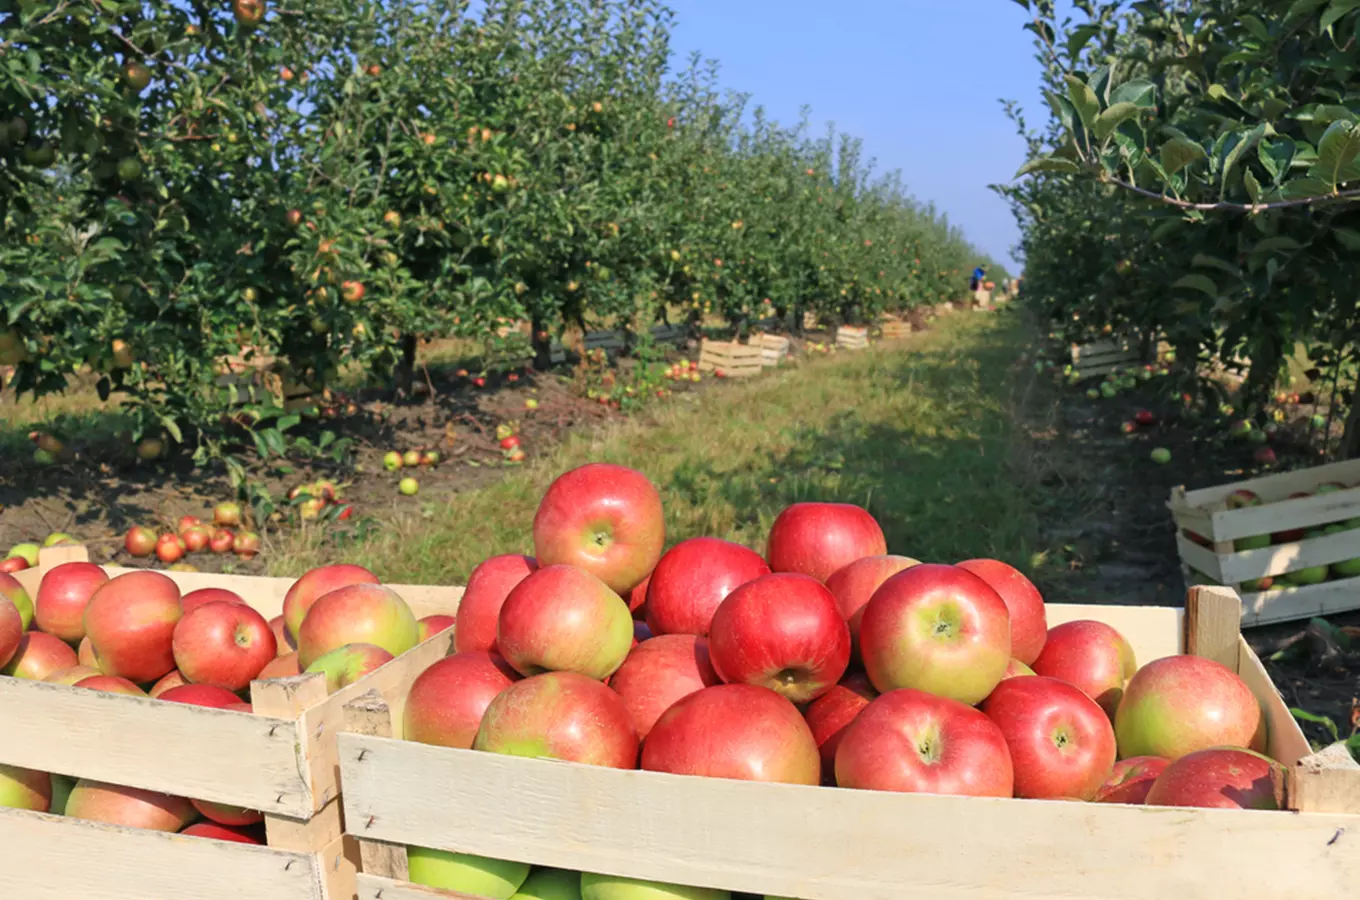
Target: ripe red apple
25 789
432 625
246 545
14 592
734 731
222 643
1179 704
783 632
1091 655
1131 779
816 539
11 564
1290 535
131 621
357 614
11 631
203 596
201 695
316 583
560 715
196 538
939 629
38 656
345 665
130 807
660 671
173 679
112 684
140 541
240 834
223 541
605 519
914 742
1220 778
59 608
227 515
831 714
480 609
853 584
1029 622
72 676
1242 498
693 578
1060 740
563 619
447 701
1017 669
637 598
185 523
170 548
284 666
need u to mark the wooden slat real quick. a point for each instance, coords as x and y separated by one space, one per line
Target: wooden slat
1285 741
1288 604
376 887
1280 485
1213 617
1278 559
1327 782
370 715
735 360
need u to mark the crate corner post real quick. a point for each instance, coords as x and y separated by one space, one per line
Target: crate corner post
369 715
1213 623
289 698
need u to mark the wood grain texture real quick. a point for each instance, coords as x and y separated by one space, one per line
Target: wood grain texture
1327 782
369 715
1213 617
377 887
1279 486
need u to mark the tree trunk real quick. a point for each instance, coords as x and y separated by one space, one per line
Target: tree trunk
406 369
541 342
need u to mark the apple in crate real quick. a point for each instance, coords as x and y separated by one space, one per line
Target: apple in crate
72 676
38 656
560 715
11 631
345 665
432 625
660 671
111 684
284 666
25 789
1180 704
358 614
172 679
13 591
616 887
604 519
1029 621
131 621
480 608
1131 779
315 584
564 619
693 578
832 713
1221 778
194 599
1060 740
1091 655
128 806
473 876
853 584
1017 669
816 539
447 701
239 834
550 884
65 591
222 643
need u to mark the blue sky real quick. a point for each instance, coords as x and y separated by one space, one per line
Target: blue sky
918 80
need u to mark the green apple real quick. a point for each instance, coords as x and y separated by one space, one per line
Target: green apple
58 537
1161 455
27 552
392 461
25 789
61 790
1254 542
550 884
480 876
1092 394
1310 575
616 887
409 487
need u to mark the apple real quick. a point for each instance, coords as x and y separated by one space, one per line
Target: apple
660 671
185 523
560 715
196 538
170 548
1160 455
25 789
447 701
131 621
284 666
1290 535
605 519
222 643
1179 704
913 742
1017 669
203 596
282 639
616 887
11 631
936 628
392 461
734 731
70 677
223 540
1264 456
816 539
65 591
1060 740
478 876
1243 498
432 625
550 884
1144 417
38 656
201 695
173 679
345 665
85 653
27 552
854 583
408 487
480 608
11 564
319 581
411 459
561 618
783 632
140 542
247 544
14 592
1131 779
831 714
692 578
130 807
1220 778
1029 622
1090 655
112 684
227 515
240 834
59 538
357 614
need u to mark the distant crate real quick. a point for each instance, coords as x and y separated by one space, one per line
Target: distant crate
1103 357
611 342
809 321
257 377
851 338
669 334
773 348
729 358
895 329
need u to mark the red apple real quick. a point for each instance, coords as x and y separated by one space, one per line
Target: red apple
1091 655
240 834
223 541
660 671
563 619
693 578
447 701
1029 622
85 653
59 608
284 666
111 684
637 598
734 731
282 639
487 587
1290 535
72 676
1179 704
1016 669
130 807
201 695
25 789
222 643
1131 779
38 656
1060 740
170 548
194 599
246 545
604 519
939 629
11 564
357 614
1220 778
11 631
140 541
227 515
171 680
560 715
345 665
131 621
831 714
816 539
14 592
783 632
196 538
914 742
432 625
316 583
855 583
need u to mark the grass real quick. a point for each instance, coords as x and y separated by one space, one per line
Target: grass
921 432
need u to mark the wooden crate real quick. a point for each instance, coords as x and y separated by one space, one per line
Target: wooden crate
733 360
895 330
773 348
1103 357
1205 514
669 334
819 843
809 321
280 760
852 338
256 376
611 342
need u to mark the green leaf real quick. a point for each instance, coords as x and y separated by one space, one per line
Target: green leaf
1047 164
1084 100
288 422
1334 12
1217 92
1252 185
1247 143
1302 8
1346 237
1272 244
1337 150
1201 283
1079 37
1305 188
1138 91
1205 261
172 429
1256 27
1180 152
1305 716
1112 118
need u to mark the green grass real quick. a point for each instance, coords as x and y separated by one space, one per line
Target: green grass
922 432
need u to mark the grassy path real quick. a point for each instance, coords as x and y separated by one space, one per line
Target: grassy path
920 432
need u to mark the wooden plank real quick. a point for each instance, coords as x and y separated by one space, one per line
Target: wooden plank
288 698
1213 617
1199 557
63 859
1327 782
369 715
734 360
823 844
1285 740
1279 485
1284 514
1290 603
1277 559
376 887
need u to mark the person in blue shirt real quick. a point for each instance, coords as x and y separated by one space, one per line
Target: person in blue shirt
979 275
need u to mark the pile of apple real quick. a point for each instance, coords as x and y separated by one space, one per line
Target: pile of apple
1243 498
136 635
25 555
827 661
509 442
313 499
684 370
193 535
